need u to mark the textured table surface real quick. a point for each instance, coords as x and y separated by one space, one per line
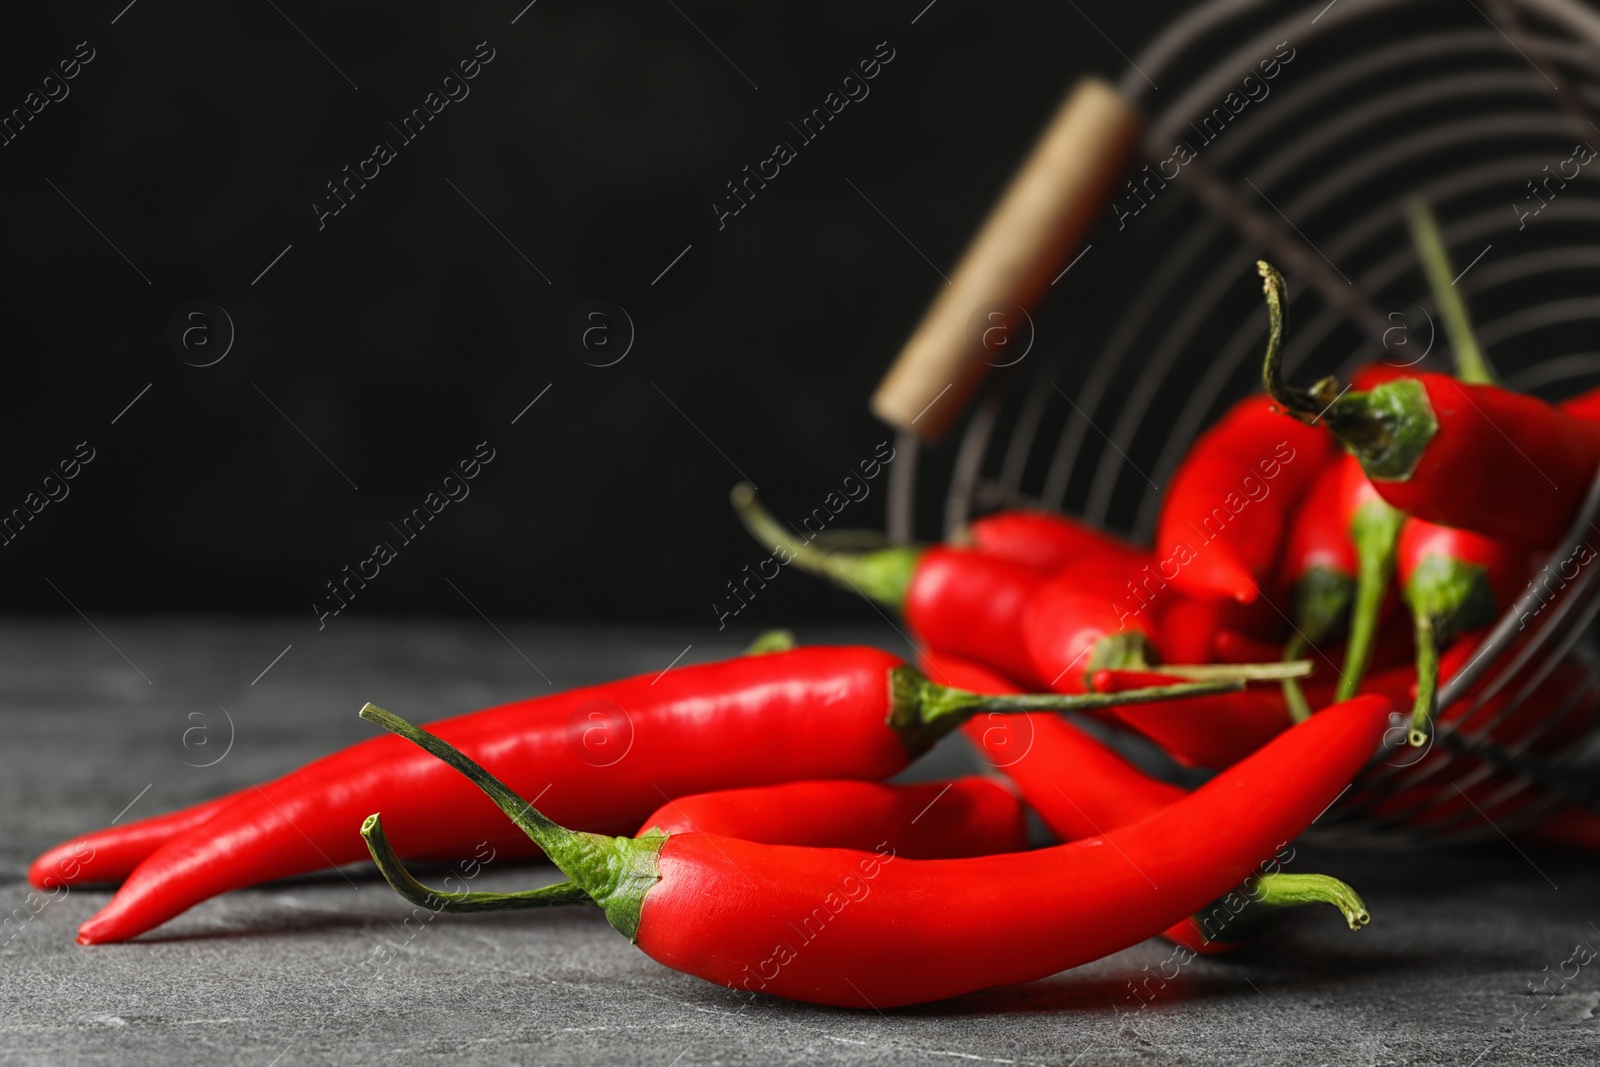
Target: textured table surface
275 975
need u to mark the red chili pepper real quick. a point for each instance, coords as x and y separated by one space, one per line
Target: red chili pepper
1083 620
1585 406
854 929
1081 788
1207 731
1227 506
1043 540
1475 457
1231 646
1192 631
605 754
971 816
106 856
1454 581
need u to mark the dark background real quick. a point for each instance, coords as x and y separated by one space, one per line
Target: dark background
408 330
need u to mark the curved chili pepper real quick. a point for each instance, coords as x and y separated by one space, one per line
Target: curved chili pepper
1228 504
1475 457
1081 788
606 754
854 929
1454 580
971 816
1043 540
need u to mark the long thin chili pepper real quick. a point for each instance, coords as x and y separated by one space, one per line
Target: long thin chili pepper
603 756
1043 540
1081 788
1475 457
855 929
1454 580
106 856
1227 506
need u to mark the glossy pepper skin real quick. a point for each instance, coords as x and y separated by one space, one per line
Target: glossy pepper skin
971 816
602 755
1203 731
1222 523
968 604
1043 540
1475 457
1081 788
1454 580
873 930
1070 628
104 857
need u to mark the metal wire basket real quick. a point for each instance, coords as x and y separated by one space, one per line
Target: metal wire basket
1477 109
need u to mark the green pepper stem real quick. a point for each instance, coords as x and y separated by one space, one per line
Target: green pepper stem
1244 672
1278 889
772 641
1304 404
394 872
883 575
1294 698
1471 364
616 872
921 710
1374 531
1387 428
1427 680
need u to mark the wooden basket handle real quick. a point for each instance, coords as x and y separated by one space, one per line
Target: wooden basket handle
1052 202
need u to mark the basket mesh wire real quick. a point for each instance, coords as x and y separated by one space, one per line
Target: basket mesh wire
1479 109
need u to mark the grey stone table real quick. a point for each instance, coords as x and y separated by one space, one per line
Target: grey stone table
275 975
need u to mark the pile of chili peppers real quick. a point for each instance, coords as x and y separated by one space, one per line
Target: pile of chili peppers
1322 558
